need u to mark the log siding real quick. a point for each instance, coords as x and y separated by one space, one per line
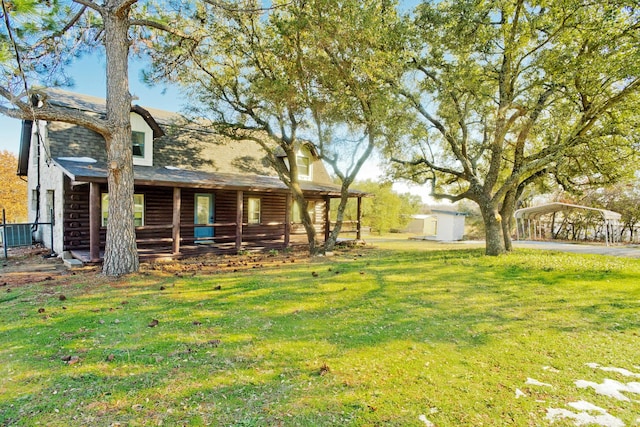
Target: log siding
157 230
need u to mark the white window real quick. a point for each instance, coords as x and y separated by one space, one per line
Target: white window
137 144
254 210
138 209
297 217
304 167
141 141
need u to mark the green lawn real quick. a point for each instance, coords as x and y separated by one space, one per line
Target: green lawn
380 337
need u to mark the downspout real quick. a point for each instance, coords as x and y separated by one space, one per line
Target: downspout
34 227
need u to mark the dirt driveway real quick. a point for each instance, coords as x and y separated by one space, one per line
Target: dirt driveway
628 251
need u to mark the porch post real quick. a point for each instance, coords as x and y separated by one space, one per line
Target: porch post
327 217
94 222
287 221
359 223
177 202
239 210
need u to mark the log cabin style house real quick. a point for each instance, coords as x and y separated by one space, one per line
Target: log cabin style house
195 191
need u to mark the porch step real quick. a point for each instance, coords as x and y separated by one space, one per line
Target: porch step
72 263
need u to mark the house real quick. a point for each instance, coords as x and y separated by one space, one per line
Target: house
441 225
195 191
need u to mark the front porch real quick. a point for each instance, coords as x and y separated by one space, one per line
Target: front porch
180 239
182 213
165 252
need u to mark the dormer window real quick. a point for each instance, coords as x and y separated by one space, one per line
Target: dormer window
137 142
141 141
304 160
304 167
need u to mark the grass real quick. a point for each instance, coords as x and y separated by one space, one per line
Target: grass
379 337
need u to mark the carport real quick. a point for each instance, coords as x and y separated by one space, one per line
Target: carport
532 223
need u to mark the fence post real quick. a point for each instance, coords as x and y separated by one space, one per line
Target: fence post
4 234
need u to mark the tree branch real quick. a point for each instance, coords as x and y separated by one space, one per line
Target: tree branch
124 6
162 27
91 5
48 112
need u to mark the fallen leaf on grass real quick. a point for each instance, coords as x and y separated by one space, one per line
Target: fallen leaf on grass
324 369
214 343
153 323
111 357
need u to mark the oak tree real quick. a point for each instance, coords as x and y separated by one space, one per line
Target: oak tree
506 92
292 73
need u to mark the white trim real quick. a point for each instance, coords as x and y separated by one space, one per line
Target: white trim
139 125
254 206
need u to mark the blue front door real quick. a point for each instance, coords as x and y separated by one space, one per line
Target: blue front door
203 216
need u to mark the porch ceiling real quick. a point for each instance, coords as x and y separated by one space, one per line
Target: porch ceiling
82 171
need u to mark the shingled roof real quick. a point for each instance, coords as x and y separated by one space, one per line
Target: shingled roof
178 142
88 170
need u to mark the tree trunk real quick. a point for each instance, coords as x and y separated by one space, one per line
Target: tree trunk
307 223
493 230
333 236
506 212
121 254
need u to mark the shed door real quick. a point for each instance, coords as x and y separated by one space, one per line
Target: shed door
203 216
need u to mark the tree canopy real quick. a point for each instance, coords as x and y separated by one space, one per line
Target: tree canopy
506 92
13 192
385 210
295 73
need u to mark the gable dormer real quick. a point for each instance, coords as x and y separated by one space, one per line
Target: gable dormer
305 164
141 141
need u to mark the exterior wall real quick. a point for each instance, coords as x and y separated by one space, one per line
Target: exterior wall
318 219
272 216
458 228
423 225
159 215
450 227
224 212
76 216
45 180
